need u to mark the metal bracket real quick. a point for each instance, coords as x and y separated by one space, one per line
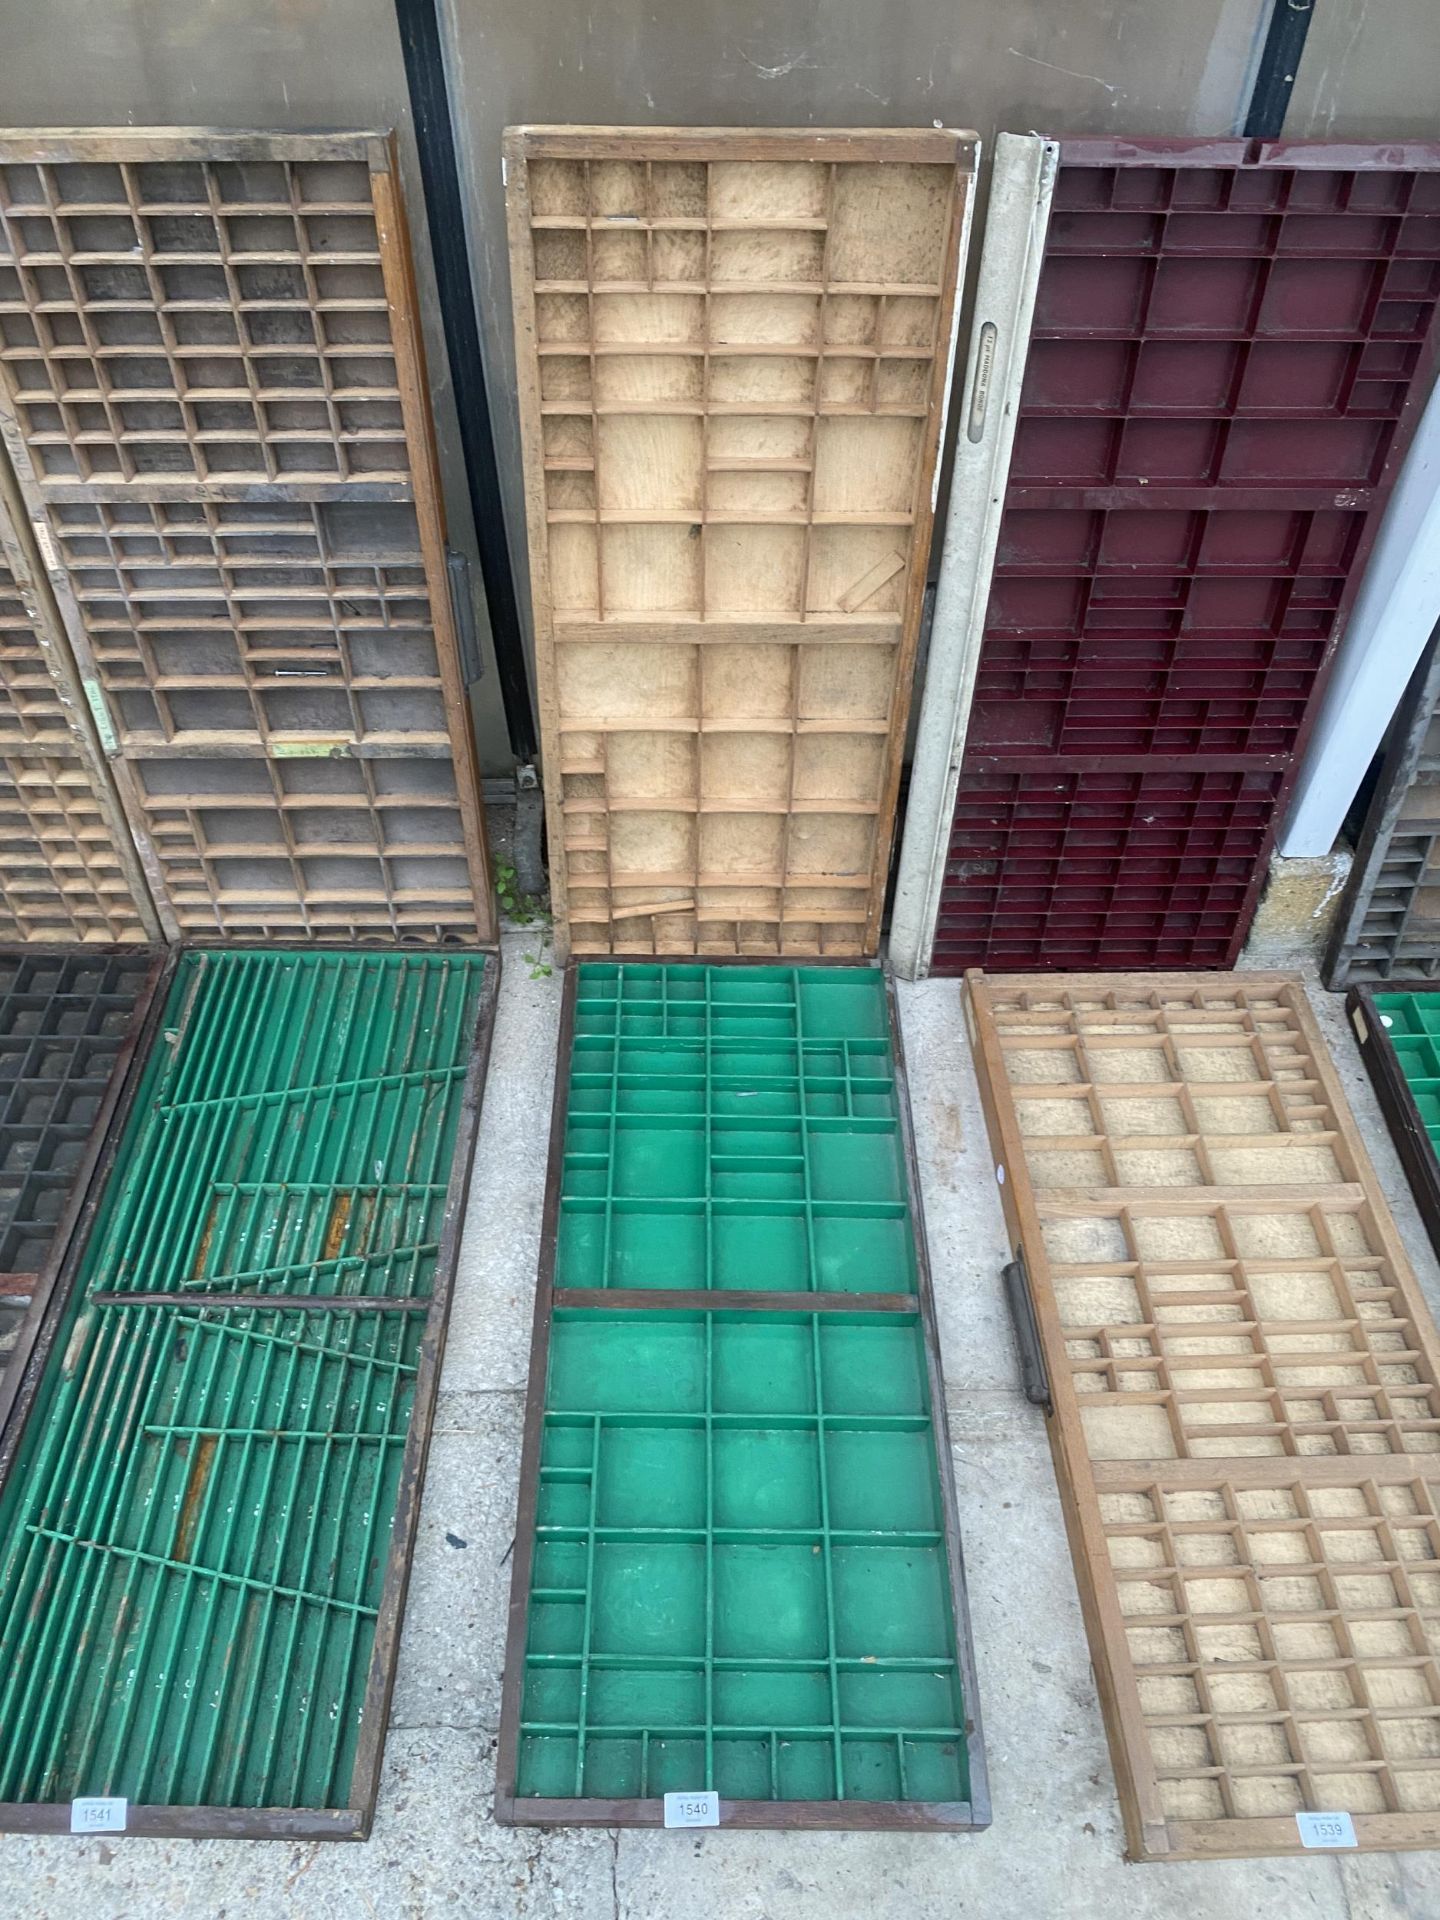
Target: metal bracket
462 610
1034 1376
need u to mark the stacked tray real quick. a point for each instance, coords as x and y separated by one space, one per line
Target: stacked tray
213 396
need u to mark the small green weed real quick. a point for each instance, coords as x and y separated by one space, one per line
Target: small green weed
524 910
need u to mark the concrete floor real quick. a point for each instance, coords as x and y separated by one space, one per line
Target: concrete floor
1055 1846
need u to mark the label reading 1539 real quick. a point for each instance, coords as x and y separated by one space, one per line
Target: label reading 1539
1326 1830
692 1809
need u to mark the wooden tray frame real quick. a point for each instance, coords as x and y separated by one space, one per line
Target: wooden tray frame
113 870
512 1809
1150 1833
115 1100
289 1823
43 495
1373 941
755 906
1397 1102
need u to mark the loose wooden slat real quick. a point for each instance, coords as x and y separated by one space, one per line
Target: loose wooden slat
733 354
1245 1388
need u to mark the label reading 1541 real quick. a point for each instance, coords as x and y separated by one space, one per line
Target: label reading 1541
1326 1830
98 1816
692 1809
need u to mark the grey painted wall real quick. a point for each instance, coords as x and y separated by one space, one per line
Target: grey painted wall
1372 69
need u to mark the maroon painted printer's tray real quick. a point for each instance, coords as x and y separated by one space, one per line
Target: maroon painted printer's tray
1231 342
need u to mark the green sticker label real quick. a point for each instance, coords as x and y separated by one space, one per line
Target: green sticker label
100 713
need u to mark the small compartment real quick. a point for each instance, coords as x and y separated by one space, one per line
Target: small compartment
896 1697
763 1365
872 1769
656 1250
556 1626
677 1765
934 1769
626 1363
891 1602
567 1444
772 1696
658 1161
757 1180
580 1247
766 1478
562 1502
858 1166
548 1765
855 1254
651 1477
552 1693
645 1697
769 1602
882 1481
766 1251
618 256
649 1598
612 1767
806 1770
872 1366
742 1767
770 257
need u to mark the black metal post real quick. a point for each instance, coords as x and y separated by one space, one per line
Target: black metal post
444 214
1279 63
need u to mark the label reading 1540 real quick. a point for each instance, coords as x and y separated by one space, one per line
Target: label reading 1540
692 1809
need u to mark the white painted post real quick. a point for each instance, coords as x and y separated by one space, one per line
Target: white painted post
1017 214
1394 614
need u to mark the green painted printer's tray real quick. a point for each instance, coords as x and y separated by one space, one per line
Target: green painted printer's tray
737 1564
206 1521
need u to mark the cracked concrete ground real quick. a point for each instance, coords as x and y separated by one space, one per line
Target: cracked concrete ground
1055 1846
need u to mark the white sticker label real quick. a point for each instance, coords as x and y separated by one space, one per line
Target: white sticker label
692 1809
46 545
1000 1176
98 1816
1326 1830
1357 1020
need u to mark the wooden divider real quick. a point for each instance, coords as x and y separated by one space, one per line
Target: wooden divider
734 349
212 389
1245 1415
68 870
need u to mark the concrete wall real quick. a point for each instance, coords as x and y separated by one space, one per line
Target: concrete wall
1078 66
